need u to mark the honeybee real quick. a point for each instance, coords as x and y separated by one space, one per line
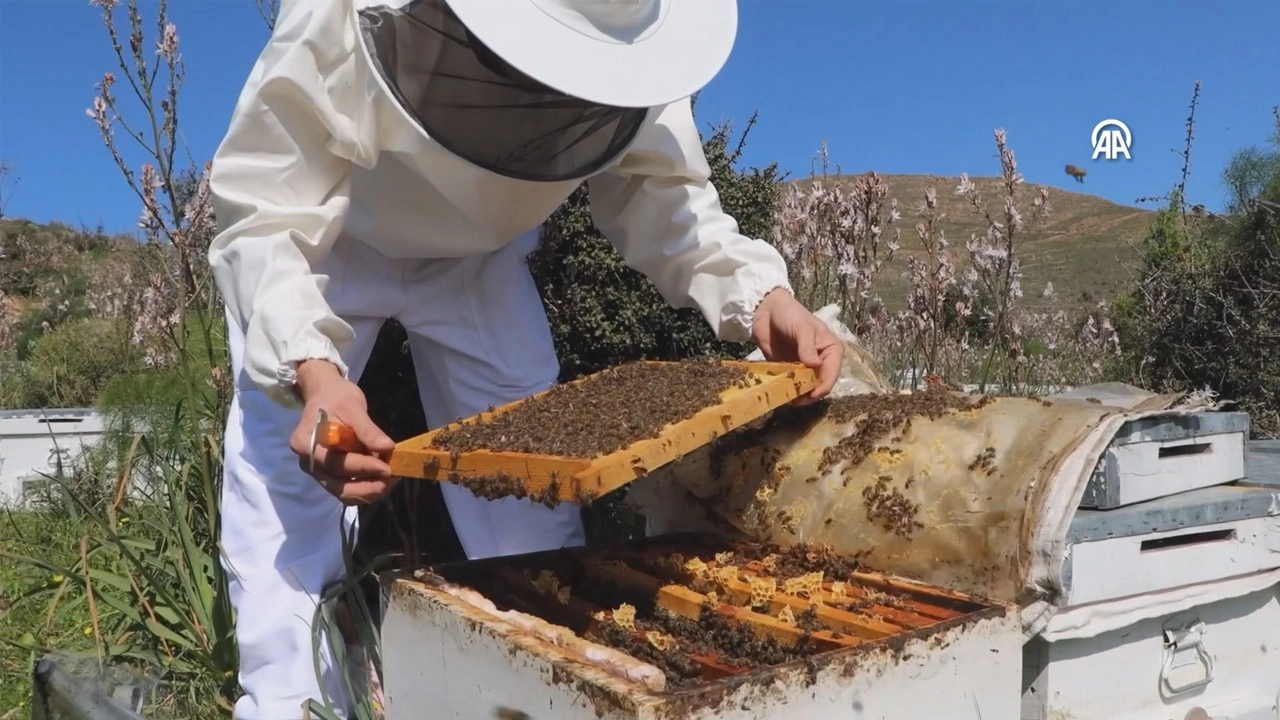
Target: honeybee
1077 173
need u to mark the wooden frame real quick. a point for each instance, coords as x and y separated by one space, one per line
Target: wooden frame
869 610
581 480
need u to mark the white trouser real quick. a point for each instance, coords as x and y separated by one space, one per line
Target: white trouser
479 337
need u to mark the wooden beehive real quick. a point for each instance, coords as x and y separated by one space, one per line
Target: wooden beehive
1157 457
792 612
580 479
702 633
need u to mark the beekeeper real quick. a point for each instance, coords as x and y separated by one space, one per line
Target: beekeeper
397 160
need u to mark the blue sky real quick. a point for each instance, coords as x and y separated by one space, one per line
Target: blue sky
894 86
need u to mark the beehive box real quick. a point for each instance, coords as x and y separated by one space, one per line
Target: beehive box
692 628
1178 593
1161 456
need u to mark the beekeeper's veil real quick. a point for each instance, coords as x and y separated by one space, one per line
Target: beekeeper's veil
543 90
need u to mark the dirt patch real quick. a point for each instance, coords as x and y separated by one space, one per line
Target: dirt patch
601 414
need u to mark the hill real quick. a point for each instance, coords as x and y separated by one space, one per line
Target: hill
38 259
1087 246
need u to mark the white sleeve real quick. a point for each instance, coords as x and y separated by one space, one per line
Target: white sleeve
660 210
280 185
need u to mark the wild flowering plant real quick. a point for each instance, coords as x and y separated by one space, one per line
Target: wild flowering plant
964 319
177 212
995 269
931 298
837 239
1070 349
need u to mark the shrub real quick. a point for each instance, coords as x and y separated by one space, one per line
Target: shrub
602 312
17 389
69 366
1206 309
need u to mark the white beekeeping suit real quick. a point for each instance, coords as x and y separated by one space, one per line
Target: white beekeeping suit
383 162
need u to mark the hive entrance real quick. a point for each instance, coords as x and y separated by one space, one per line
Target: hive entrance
700 610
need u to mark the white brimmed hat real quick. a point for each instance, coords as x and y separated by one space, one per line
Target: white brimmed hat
624 53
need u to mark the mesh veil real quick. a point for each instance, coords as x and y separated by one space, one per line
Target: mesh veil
483 110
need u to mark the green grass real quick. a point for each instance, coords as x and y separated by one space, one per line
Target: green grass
26 629
29 629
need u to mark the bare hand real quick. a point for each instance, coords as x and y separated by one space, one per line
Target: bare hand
786 331
353 478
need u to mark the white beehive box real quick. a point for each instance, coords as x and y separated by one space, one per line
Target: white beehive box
35 444
449 658
1171 609
1154 457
